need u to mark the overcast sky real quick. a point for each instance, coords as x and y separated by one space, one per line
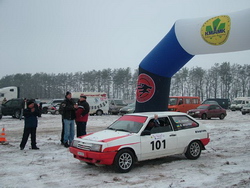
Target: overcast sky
59 36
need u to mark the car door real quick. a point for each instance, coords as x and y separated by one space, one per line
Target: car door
161 142
215 110
185 131
7 108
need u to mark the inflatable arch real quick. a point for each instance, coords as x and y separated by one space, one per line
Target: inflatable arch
187 37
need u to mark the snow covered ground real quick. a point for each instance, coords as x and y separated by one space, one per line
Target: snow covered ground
225 163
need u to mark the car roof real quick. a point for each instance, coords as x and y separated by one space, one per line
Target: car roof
160 114
209 105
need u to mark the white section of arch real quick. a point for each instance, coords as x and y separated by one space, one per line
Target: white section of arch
189 35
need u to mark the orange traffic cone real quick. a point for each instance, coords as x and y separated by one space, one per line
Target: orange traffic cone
3 139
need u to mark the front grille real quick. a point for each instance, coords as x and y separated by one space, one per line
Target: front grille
83 146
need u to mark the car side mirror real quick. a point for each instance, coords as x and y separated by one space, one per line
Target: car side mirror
145 132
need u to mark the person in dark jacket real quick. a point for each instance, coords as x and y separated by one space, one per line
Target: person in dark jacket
30 124
82 114
68 108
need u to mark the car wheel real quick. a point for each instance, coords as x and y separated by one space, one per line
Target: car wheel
222 116
124 161
0 116
17 114
243 113
193 150
45 110
204 116
57 112
99 112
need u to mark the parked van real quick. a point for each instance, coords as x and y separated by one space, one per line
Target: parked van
239 102
224 103
183 103
98 102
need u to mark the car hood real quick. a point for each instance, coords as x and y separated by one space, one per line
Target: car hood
195 110
106 136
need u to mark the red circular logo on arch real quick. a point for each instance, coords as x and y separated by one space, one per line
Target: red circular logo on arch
145 88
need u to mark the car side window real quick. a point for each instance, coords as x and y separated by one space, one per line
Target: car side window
165 126
183 122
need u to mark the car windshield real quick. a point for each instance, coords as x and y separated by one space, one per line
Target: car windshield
237 102
131 105
128 124
173 101
210 102
202 107
120 103
247 105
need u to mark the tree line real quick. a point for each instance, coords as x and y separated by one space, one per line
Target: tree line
220 81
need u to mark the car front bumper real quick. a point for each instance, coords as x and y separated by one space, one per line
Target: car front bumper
105 158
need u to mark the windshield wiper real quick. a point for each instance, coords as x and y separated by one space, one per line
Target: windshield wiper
110 128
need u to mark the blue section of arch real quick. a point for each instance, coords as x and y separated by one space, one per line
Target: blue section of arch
167 57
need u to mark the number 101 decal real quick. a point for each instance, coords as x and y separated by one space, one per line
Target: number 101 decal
158 144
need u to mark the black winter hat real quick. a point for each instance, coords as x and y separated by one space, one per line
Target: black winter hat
30 102
67 93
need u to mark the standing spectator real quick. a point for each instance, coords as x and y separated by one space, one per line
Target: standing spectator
82 114
30 124
4 100
68 108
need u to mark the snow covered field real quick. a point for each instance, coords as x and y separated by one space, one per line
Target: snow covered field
225 163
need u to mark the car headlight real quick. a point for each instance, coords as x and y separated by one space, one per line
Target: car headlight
197 112
75 143
96 147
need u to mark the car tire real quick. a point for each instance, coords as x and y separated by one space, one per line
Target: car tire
193 150
243 113
204 116
222 116
45 110
99 113
17 114
124 161
1 116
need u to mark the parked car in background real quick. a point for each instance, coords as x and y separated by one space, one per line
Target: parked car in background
130 108
13 107
115 105
245 109
129 139
50 104
239 102
224 103
208 111
54 109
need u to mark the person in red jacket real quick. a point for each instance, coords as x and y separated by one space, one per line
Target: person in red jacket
82 114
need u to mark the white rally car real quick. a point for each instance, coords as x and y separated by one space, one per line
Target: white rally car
129 139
